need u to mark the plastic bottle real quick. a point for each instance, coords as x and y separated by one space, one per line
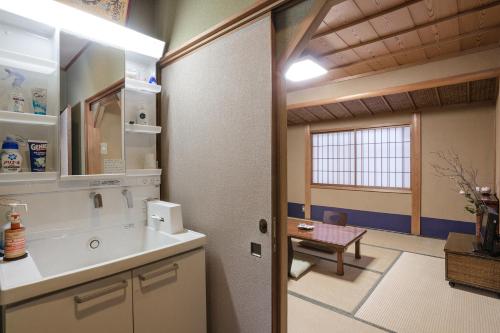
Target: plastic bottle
11 158
16 97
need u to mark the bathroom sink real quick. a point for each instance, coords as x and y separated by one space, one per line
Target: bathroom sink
68 252
72 257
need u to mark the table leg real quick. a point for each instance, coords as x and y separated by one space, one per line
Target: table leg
340 262
357 251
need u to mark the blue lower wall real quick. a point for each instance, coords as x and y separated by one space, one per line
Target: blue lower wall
439 228
361 218
429 227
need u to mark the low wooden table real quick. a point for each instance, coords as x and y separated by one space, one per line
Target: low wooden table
334 236
464 266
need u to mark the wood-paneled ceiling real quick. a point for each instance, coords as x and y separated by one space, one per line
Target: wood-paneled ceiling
479 91
358 37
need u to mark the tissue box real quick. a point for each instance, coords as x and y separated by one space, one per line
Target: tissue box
171 214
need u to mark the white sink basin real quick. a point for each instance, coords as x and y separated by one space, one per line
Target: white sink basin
70 258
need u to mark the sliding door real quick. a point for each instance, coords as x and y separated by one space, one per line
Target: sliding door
217 157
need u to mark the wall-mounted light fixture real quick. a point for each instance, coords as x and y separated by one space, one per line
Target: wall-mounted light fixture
84 25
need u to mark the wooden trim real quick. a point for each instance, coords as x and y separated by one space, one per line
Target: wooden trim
328 111
438 96
416 172
345 129
412 29
308 172
92 134
412 101
370 112
346 110
113 88
366 18
485 74
362 188
261 7
416 48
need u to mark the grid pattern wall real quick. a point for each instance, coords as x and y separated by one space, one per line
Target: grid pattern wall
333 158
375 157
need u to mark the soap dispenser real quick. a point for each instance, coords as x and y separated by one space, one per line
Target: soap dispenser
14 235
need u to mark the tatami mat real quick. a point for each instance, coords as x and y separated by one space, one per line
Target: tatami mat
408 243
305 317
322 283
373 258
414 297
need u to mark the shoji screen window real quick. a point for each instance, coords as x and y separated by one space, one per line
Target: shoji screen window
333 158
383 157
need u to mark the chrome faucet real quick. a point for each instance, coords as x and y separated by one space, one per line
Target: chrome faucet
97 198
128 196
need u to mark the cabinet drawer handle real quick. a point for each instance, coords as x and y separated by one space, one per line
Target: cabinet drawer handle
148 276
82 299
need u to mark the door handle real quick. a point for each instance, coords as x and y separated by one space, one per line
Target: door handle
85 298
149 276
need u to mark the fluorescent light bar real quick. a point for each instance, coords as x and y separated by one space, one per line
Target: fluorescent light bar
85 25
304 70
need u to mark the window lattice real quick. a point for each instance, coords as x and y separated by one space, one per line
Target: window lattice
374 157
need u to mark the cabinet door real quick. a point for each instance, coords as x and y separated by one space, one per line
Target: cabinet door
101 306
169 295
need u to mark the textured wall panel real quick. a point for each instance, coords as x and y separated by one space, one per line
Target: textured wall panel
217 148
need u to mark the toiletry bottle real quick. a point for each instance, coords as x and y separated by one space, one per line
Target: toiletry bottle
11 158
14 242
16 97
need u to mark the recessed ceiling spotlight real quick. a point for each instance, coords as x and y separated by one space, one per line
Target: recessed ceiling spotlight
304 70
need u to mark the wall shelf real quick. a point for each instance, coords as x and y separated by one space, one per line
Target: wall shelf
27 177
141 86
143 129
27 118
27 63
144 172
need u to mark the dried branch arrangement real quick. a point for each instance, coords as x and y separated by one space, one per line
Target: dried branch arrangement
451 167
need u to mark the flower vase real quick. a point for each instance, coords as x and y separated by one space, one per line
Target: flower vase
479 219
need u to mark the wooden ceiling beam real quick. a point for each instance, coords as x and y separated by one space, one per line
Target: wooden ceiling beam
468 92
343 107
416 27
413 105
312 113
366 107
387 103
436 91
364 19
297 115
420 47
328 111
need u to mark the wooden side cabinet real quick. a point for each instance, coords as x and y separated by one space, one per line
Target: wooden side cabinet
464 266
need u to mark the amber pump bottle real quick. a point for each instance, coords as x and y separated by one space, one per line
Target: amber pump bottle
15 236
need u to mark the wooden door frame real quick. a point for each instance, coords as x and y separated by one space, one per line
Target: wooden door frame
90 140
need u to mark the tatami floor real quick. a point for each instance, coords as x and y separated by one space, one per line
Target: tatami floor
397 286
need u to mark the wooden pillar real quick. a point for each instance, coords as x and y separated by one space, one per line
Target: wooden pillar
416 173
308 173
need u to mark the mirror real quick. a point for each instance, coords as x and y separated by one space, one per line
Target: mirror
92 83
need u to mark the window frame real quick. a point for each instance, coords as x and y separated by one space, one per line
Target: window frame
359 187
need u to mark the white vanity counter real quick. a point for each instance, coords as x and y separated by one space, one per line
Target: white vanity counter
69 259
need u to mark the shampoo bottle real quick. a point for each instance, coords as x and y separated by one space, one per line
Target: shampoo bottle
14 236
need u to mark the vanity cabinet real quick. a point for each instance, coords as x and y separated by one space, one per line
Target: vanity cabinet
165 296
169 296
100 306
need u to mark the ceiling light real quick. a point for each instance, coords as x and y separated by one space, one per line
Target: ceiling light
304 70
84 25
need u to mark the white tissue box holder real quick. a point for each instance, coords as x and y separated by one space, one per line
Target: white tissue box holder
165 216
